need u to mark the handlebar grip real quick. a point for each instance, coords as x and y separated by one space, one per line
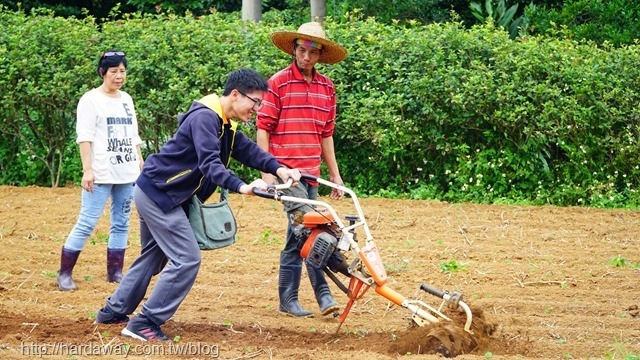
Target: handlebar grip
432 291
263 194
308 177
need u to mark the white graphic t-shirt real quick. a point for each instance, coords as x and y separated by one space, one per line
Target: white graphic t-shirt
110 124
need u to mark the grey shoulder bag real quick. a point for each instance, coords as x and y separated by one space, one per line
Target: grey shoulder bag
213 224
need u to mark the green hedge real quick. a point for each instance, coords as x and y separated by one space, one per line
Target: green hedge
472 116
435 111
615 22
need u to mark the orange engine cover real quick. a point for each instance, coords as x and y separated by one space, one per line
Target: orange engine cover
317 217
308 244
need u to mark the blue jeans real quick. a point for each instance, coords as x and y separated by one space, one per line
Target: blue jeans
93 204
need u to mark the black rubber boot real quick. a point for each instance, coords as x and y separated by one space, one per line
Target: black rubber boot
322 291
288 284
68 260
115 262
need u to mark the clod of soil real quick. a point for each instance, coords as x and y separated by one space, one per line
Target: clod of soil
448 339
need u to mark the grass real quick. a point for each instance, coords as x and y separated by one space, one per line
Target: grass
50 274
396 266
100 238
620 261
620 351
355 332
451 266
265 238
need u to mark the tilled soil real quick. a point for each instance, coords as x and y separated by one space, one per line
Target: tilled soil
550 282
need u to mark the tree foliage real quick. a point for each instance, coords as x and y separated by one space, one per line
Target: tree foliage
616 22
429 111
41 76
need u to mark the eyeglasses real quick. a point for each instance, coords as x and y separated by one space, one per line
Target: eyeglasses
112 53
257 104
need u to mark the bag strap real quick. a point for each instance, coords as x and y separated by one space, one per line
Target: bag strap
224 194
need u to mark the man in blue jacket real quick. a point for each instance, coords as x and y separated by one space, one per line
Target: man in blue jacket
194 161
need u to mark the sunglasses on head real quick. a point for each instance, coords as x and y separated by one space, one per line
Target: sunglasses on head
112 53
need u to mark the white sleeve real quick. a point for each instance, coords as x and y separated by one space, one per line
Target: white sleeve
86 119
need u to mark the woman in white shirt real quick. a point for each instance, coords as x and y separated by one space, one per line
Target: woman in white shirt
109 143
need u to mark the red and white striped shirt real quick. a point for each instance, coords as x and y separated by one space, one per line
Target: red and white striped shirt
298 115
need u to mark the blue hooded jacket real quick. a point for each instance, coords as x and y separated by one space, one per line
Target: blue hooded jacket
195 159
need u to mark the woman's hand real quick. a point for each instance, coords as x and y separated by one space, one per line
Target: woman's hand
87 180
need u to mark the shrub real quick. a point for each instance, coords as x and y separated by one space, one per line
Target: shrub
429 111
614 21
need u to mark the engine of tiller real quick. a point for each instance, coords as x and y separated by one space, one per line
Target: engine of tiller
317 238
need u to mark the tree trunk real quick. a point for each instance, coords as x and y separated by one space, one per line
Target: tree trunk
318 10
251 10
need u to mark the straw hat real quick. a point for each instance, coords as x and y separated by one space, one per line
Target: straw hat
331 52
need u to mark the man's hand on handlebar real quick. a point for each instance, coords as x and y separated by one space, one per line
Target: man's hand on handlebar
286 174
335 193
269 181
257 183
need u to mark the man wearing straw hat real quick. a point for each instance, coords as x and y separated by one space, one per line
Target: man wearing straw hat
296 125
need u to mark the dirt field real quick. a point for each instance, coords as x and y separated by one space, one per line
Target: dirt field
545 277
